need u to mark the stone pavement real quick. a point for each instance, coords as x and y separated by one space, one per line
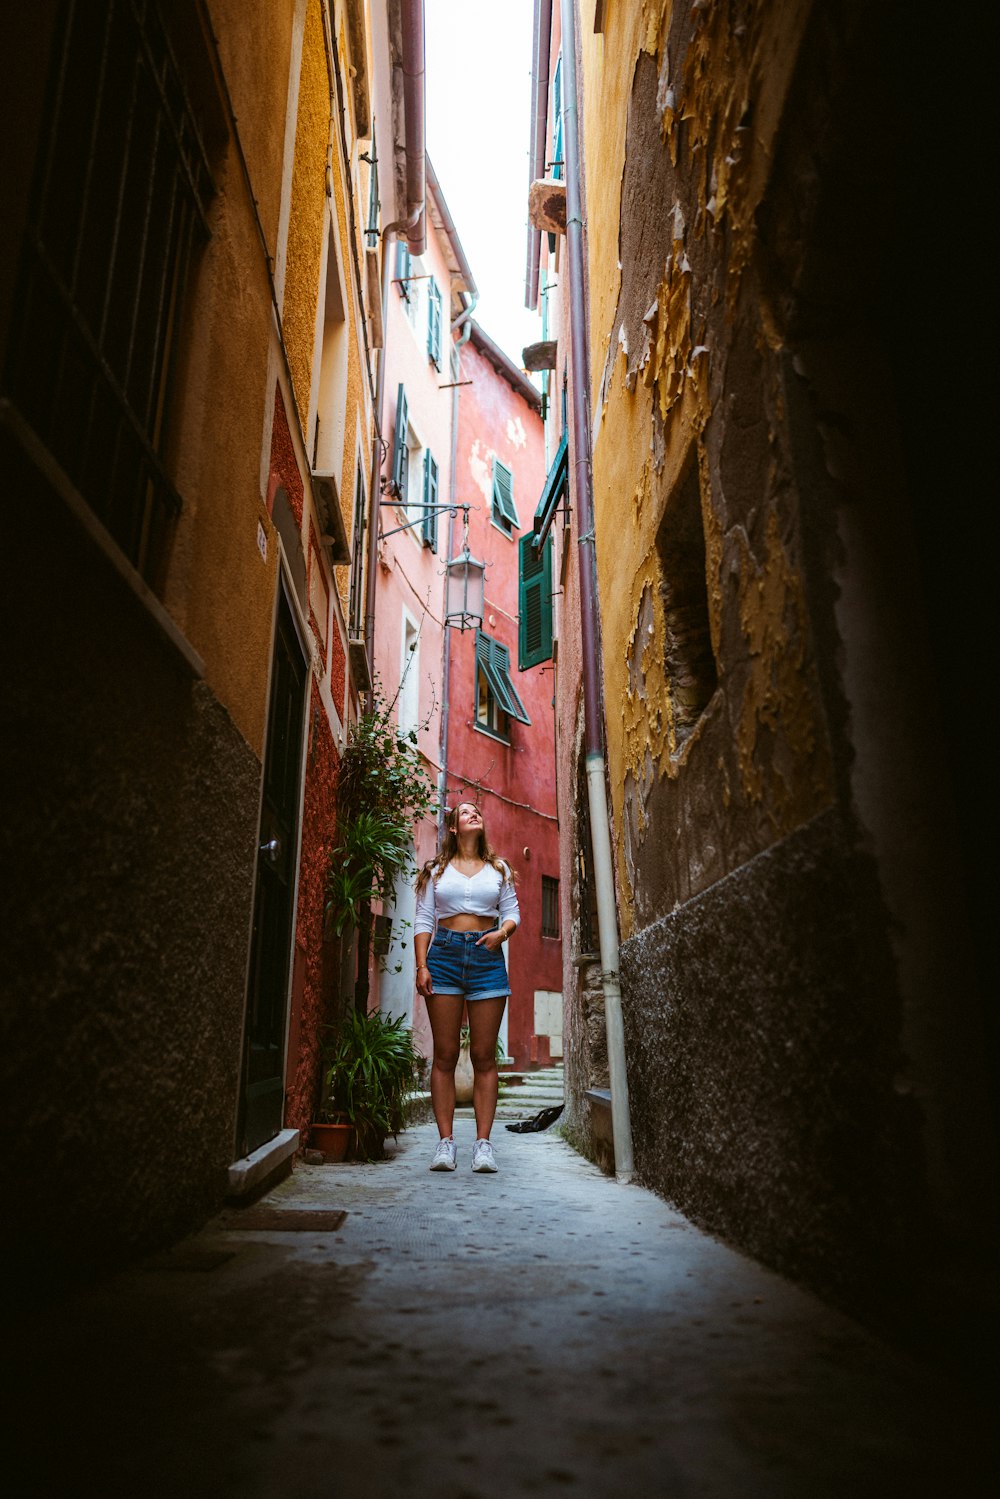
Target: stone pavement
545 1331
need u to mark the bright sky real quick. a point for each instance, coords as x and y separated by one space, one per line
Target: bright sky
478 100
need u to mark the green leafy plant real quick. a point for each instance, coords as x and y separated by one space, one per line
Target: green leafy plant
369 1068
383 790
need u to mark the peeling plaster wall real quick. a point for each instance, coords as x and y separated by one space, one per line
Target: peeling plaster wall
785 966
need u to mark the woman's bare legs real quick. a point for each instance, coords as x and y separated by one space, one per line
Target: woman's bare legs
445 1014
485 1016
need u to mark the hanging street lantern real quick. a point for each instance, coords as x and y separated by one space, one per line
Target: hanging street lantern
465 590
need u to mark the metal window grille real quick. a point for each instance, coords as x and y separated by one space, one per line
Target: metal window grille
586 888
371 232
550 906
119 204
356 601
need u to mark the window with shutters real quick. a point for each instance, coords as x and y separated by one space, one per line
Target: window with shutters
534 624
497 700
401 448
356 601
556 164
586 883
371 230
503 512
119 212
550 906
430 499
434 323
403 269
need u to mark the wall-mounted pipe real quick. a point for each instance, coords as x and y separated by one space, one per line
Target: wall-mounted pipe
542 41
412 225
607 916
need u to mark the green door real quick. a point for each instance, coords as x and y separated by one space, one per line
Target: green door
274 896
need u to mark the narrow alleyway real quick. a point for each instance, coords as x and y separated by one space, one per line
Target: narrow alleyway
544 1331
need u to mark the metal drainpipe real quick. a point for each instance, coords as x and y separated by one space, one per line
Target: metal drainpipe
463 321
607 917
542 41
413 105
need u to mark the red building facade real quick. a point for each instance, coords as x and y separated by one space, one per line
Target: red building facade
503 759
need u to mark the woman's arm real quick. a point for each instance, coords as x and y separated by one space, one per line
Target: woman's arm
423 928
509 914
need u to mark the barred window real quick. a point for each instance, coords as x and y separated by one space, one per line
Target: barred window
356 598
550 906
586 885
119 205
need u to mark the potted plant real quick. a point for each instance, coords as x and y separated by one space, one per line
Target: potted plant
369 1071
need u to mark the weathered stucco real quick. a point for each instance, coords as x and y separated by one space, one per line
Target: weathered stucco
793 956
675 391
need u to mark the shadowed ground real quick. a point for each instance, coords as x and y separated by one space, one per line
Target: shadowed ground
544 1331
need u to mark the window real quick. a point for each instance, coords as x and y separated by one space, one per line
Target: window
409 677
556 486
400 448
430 524
689 660
503 511
534 624
434 323
497 700
331 397
556 163
403 269
119 208
586 884
550 906
371 231
356 601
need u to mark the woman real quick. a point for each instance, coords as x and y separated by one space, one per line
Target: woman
467 893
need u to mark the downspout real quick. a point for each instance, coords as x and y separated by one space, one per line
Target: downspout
607 917
542 42
463 321
413 225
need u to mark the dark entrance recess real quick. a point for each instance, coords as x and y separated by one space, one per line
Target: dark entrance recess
261 1105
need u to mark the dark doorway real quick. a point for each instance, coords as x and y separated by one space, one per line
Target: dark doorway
261 1104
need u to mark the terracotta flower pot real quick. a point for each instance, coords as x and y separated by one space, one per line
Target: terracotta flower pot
334 1140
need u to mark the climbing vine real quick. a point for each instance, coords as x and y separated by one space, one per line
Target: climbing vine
383 791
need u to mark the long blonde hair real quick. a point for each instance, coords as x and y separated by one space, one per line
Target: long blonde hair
435 868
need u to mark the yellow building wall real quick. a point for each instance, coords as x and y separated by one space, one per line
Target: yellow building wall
220 588
723 79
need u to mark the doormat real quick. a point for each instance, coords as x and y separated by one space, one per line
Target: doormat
282 1220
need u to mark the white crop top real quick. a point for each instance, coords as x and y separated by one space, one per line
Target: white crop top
454 894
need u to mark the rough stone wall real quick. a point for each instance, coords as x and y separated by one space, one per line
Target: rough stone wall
801 1013
759 1044
131 842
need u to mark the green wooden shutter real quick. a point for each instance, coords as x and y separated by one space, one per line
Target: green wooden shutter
400 452
434 322
534 628
403 268
430 498
503 496
494 659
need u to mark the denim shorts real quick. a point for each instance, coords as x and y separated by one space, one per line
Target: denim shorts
458 966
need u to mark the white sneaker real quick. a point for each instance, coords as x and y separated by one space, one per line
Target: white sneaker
446 1156
483 1158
